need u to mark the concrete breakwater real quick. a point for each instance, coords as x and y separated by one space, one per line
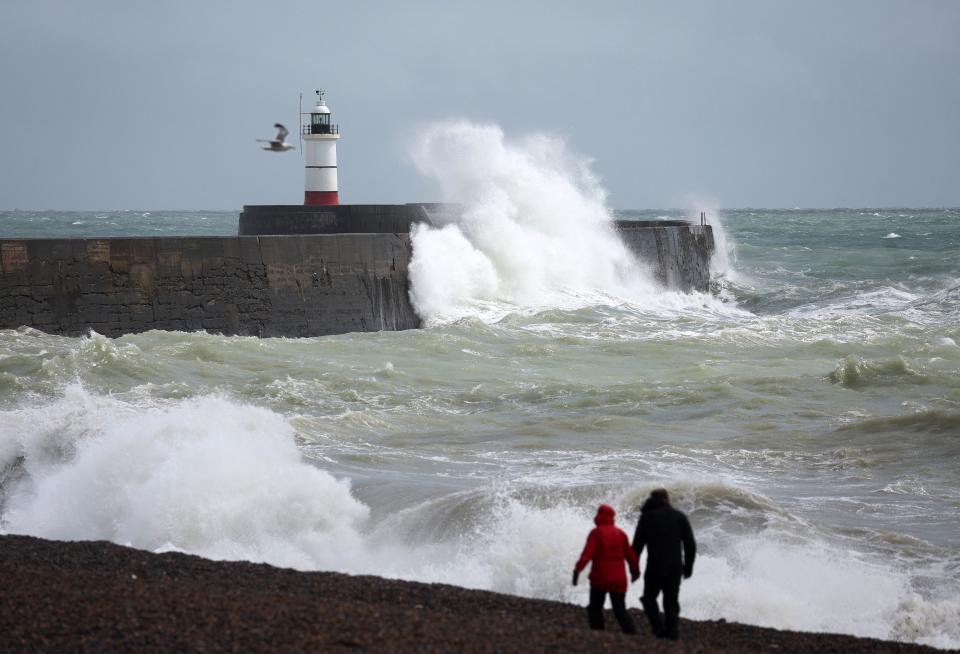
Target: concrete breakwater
260 286
677 252
293 271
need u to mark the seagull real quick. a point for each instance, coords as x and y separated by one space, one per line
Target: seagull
279 144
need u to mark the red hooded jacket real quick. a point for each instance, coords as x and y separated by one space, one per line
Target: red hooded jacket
607 548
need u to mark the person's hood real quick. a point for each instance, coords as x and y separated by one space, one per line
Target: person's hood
605 515
654 503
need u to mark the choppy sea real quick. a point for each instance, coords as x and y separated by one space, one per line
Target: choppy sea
805 414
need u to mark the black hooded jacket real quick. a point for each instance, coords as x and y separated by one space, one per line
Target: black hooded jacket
662 529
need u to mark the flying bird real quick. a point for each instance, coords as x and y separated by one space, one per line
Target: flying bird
278 144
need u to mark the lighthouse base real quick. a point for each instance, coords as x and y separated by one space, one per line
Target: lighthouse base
321 198
261 220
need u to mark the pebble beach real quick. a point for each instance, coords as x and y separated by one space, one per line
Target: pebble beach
98 596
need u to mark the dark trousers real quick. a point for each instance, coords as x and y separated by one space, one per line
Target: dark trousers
595 610
669 585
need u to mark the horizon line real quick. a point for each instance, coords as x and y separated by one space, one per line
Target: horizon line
671 209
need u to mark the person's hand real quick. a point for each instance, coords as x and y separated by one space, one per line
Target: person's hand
687 573
576 577
634 576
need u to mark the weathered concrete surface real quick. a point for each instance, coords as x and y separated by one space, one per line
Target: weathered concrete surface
678 252
256 220
264 286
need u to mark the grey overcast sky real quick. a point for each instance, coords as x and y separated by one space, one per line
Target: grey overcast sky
762 103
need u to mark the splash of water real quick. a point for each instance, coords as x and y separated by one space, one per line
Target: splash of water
535 231
723 261
206 476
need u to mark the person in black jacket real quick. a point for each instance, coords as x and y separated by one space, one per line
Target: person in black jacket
662 529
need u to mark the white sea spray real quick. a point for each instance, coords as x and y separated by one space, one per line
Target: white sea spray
535 231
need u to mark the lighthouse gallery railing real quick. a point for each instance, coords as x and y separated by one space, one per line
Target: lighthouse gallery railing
320 129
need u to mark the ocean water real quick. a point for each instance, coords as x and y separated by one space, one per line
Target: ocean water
806 414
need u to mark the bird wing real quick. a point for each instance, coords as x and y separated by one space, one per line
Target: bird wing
281 132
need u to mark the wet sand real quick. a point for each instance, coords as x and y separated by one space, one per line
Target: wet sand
97 596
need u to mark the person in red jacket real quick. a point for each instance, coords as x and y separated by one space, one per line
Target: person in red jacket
606 549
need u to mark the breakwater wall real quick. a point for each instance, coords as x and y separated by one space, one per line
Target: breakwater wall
260 286
678 252
292 271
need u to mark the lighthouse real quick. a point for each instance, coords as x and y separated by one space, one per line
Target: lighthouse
320 138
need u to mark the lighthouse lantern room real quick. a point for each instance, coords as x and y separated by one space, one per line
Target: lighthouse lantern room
320 155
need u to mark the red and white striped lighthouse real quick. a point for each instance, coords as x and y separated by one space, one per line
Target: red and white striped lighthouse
320 156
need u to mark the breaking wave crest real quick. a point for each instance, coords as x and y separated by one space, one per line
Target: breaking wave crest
534 232
206 476
855 372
